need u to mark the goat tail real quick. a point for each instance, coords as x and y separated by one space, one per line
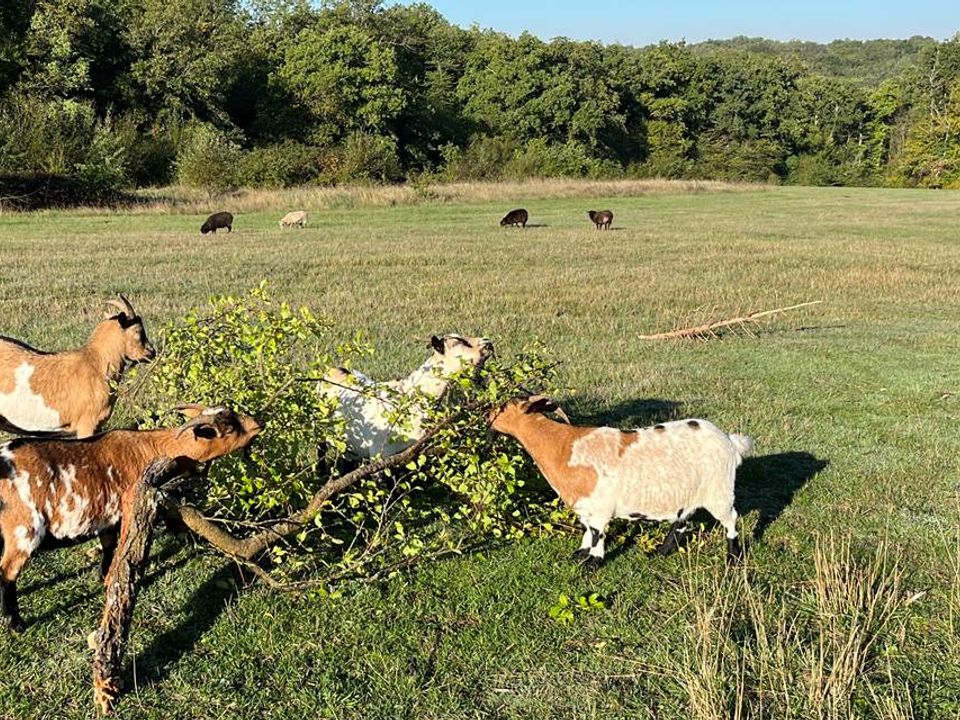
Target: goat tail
743 444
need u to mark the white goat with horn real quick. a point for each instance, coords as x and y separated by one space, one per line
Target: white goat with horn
384 418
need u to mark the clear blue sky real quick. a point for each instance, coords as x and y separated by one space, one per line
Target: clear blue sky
644 22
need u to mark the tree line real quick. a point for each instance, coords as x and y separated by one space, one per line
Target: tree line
110 94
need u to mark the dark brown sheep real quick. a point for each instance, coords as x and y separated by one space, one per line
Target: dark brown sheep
515 217
601 218
217 221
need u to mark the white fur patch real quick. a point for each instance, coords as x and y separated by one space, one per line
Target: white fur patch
660 475
26 409
21 482
72 507
25 539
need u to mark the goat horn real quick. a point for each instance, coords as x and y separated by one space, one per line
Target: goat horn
563 416
195 421
124 306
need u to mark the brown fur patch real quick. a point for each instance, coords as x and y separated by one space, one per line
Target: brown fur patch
627 438
549 443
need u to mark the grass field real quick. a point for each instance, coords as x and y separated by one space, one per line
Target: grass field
849 602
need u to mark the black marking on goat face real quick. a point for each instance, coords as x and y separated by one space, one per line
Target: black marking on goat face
126 321
693 424
437 344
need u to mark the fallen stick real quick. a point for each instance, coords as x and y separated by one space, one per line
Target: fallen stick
708 328
123 583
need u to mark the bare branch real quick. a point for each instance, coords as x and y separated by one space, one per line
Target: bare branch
709 329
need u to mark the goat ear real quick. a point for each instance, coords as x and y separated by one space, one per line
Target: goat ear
437 344
206 432
541 404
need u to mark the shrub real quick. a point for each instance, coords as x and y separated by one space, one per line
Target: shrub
749 160
207 159
282 165
367 158
251 353
571 159
484 158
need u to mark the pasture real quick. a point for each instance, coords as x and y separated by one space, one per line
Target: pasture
849 601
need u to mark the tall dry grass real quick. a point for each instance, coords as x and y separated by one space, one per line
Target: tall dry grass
818 652
184 200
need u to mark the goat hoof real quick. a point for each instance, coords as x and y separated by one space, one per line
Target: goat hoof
734 551
582 554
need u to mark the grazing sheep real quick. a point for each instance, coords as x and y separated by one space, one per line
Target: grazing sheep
601 219
370 408
515 217
67 491
216 221
664 472
73 392
297 217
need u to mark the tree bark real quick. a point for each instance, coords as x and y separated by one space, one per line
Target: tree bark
123 582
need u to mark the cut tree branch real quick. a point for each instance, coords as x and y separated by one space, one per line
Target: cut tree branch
248 548
711 327
123 583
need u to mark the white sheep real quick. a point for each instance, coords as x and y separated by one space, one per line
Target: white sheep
384 418
296 217
664 472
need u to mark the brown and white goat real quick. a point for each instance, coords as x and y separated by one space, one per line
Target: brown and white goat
664 472
70 393
65 491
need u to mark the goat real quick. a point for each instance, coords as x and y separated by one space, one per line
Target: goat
369 408
601 219
515 217
67 491
70 393
297 217
216 221
664 472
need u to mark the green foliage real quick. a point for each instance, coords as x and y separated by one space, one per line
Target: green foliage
282 165
248 353
568 609
345 78
365 158
253 353
484 158
207 158
356 91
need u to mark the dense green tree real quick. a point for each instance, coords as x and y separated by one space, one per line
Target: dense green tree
345 79
187 54
292 91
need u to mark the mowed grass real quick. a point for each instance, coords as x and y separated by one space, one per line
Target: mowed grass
850 505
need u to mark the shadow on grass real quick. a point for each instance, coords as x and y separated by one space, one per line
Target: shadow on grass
204 607
160 564
768 483
638 412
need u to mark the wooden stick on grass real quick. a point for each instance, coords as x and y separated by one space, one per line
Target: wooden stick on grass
709 328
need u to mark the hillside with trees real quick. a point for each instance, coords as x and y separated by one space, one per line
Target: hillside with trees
101 95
